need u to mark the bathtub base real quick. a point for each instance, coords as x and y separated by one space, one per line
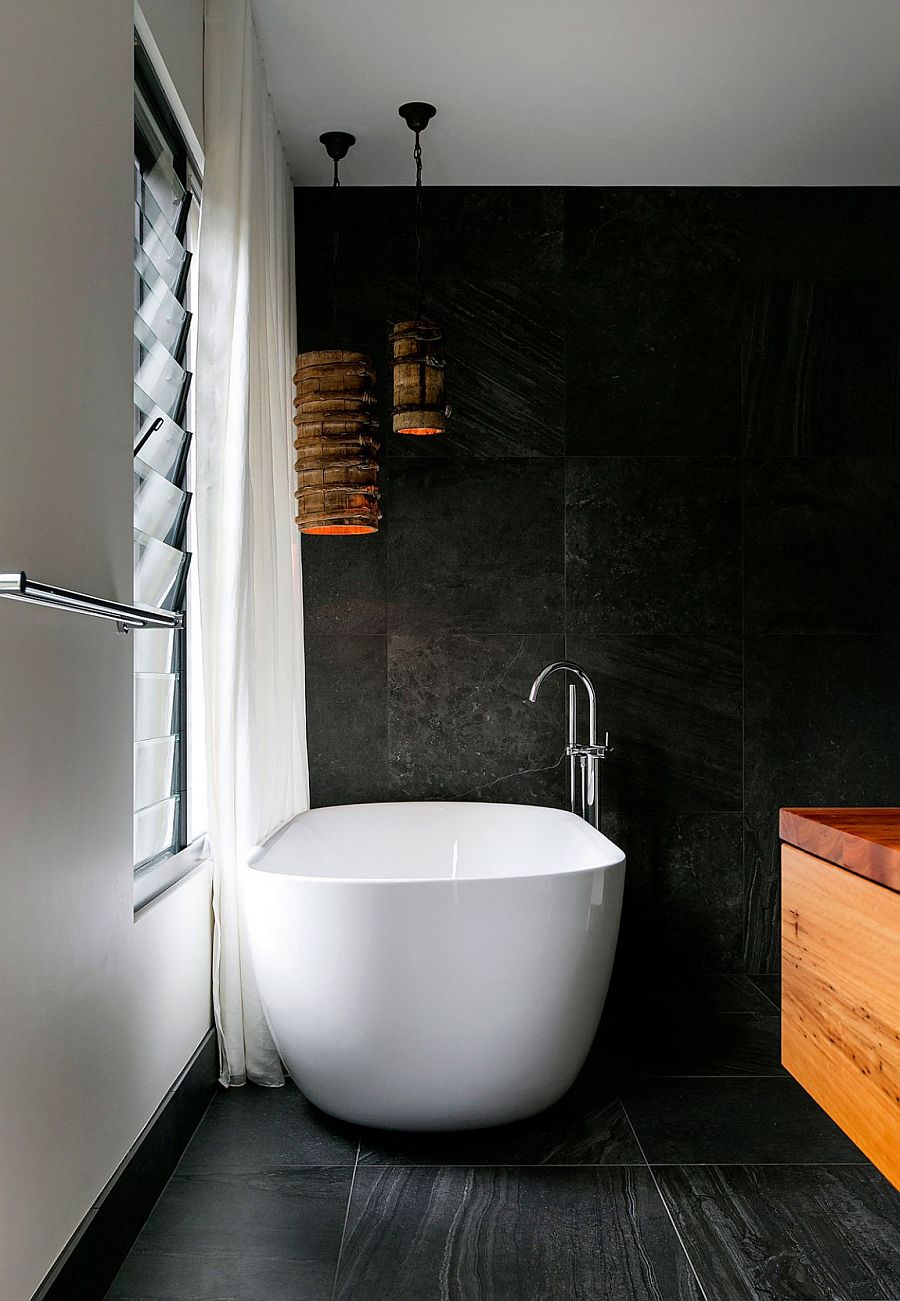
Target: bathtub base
362 1094
450 1119
441 1003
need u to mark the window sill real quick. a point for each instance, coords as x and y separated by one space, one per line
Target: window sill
152 881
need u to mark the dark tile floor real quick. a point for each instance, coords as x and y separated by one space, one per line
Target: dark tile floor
693 1171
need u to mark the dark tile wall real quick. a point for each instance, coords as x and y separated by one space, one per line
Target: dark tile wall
674 457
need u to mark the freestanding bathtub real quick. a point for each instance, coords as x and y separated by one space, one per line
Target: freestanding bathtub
434 965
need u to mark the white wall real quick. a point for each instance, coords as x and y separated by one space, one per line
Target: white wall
98 1012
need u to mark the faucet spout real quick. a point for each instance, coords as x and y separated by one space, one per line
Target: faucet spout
568 666
584 773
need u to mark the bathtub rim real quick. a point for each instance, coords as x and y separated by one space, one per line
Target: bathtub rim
258 853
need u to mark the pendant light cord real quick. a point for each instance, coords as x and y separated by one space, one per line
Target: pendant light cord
417 155
335 253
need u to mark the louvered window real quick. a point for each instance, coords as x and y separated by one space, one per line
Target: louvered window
166 211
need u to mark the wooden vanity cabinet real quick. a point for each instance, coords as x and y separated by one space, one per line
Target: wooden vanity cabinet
840 952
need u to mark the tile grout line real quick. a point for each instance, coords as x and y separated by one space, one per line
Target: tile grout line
337 1263
565 446
776 1008
780 1074
589 1165
745 890
506 1165
659 1193
774 1165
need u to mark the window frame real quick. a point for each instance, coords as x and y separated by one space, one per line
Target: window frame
160 872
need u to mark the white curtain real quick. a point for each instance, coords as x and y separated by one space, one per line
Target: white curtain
248 553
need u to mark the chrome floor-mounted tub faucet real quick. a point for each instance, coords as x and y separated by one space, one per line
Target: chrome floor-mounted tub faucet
584 760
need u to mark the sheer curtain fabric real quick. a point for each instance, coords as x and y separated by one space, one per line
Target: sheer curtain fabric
248 548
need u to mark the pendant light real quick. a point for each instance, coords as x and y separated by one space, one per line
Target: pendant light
417 346
337 474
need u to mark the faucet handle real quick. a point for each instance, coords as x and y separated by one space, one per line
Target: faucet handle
591 751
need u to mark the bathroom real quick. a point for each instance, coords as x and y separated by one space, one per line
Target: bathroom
660 247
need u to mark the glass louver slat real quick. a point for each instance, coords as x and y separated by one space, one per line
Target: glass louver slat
160 382
160 318
152 262
150 218
154 829
159 572
154 651
154 771
163 216
154 705
158 191
163 445
160 507
150 346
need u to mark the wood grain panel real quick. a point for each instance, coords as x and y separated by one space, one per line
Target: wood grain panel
866 841
840 941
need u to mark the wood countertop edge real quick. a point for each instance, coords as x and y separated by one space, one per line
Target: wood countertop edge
829 834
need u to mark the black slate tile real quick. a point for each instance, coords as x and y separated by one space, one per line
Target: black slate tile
586 1127
683 994
683 905
508 1234
345 581
762 891
821 545
476 546
821 363
460 725
492 263
721 1044
822 721
472 232
785 1233
653 545
693 1006
505 380
733 1121
653 366
346 718
713 994
364 218
255 1129
289 1216
827 233
500 232
769 984
165 1276
664 231
672 706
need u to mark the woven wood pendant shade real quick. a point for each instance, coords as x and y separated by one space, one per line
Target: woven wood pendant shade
418 362
337 472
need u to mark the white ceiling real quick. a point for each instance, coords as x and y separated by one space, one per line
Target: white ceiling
596 92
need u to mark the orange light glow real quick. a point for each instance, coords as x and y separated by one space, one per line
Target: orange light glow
347 529
420 433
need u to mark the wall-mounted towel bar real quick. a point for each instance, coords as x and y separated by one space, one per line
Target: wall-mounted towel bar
20 588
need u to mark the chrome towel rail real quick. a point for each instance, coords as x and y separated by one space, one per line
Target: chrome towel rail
18 587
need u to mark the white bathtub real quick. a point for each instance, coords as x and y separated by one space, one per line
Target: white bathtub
434 965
